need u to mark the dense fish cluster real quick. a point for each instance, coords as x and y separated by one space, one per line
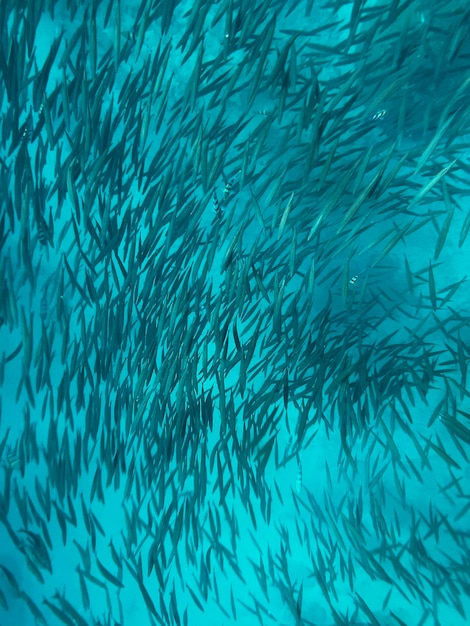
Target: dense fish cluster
234 313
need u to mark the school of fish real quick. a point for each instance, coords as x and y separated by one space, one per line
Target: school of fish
234 313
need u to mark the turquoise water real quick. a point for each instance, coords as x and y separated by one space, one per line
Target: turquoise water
234 334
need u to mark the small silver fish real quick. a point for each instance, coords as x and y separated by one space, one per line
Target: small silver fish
215 204
378 115
298 482
229 184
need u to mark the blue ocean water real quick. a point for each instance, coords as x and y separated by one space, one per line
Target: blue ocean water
234 315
